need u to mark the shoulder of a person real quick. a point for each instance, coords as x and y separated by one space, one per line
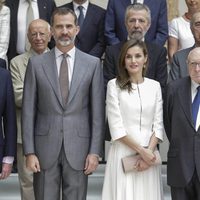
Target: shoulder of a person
97 8
4 72
154 48
183 52
5 10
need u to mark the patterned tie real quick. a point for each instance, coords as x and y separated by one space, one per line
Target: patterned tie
63 79
134 1
195 106
81 16
29 19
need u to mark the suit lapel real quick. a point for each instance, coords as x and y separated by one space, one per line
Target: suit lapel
78 72
50 70
185 100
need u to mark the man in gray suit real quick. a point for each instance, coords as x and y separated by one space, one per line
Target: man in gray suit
179 65
63 114
182 125
39 35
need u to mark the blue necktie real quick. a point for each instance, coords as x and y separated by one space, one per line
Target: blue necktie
195 106
81 16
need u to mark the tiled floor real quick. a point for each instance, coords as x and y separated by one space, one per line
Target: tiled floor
9 189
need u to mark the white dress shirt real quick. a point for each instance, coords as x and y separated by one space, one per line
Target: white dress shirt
194 86
138 1
70 61
4 31
21 23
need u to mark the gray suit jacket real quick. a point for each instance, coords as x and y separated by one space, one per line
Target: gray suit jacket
183 154
47 124
179 64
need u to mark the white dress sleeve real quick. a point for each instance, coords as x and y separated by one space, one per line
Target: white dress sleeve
115 120
158 126
173 28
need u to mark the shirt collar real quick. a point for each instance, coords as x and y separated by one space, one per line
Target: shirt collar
85 5
71 52
194 85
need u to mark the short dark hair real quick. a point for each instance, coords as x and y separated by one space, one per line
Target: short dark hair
63 11
123 78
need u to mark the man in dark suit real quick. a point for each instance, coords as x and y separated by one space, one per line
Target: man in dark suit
41 9
182 122
115 30
8 127
63 114
90 38
178 66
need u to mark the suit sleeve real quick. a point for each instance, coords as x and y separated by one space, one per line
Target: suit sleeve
161 71
174 72
29 109
108 67
9 120
18 84
97 103
99 47
167 110
162 25
110 24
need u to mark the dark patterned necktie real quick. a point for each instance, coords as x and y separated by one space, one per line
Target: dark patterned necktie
63 79
81 16
195 106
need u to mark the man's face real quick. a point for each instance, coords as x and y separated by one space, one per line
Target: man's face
137 24
194 65
64 30
39 36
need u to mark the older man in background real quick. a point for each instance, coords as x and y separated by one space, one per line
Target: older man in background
39 35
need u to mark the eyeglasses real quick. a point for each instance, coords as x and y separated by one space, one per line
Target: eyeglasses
194 64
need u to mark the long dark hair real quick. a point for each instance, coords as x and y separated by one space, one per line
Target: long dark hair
123 78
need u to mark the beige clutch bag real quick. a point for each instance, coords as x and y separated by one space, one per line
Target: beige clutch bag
129 162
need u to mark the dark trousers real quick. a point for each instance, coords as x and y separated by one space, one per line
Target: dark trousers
190 192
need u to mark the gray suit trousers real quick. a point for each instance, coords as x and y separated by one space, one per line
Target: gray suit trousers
60 179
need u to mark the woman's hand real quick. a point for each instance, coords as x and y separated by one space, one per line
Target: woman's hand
147 155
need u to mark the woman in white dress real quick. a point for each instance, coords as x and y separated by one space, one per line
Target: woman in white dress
134 110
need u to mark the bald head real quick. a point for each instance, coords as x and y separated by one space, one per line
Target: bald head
194 64
39 35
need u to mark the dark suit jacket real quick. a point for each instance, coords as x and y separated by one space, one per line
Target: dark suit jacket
157 67
2 63
115 30
183 154
178 68
91 38
8 129
45 8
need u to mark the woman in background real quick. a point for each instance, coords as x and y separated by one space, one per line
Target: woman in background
134 110
4 29
180 35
